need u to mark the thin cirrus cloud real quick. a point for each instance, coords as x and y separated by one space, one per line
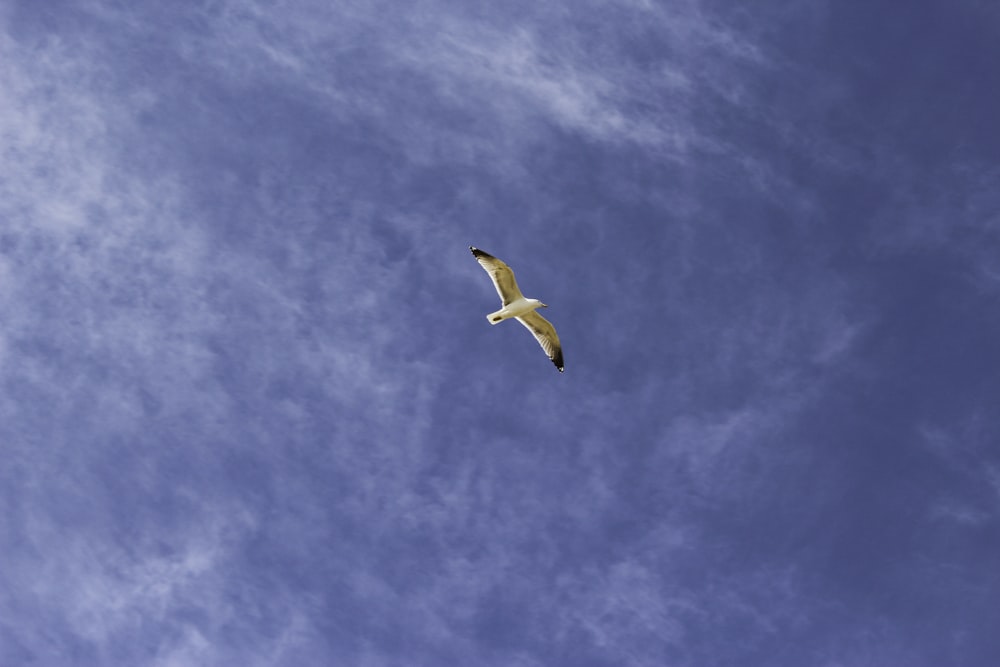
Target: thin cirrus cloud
513 75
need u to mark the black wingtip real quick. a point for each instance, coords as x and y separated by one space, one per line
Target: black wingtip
557 359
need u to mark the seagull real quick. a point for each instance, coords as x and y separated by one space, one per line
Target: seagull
515 305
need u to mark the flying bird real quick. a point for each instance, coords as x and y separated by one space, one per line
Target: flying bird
515 305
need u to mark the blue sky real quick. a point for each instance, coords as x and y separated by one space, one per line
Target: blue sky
251 411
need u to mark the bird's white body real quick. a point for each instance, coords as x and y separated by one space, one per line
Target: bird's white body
517 308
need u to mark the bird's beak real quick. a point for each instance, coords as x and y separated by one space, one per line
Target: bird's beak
545 305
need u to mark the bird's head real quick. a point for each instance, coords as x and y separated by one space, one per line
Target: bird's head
543 305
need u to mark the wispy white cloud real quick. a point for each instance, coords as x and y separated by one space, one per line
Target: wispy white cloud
122 313
95 257
488 71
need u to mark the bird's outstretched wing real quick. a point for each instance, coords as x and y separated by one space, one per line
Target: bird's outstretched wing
545 334
503 277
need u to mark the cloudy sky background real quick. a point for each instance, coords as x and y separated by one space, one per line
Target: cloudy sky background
251 411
